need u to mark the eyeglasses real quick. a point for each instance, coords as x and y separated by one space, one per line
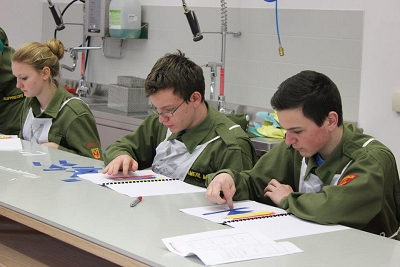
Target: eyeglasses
165 114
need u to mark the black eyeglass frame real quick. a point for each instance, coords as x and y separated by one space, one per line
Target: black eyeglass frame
165 114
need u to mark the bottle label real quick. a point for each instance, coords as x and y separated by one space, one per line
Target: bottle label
133 17
115 19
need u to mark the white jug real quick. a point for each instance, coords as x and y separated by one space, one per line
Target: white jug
125 19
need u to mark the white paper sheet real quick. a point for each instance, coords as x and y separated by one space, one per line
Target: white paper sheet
142 183
230 245
241 210
274 222
286 226
155 188
10 142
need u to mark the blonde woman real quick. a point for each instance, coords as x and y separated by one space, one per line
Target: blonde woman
52 116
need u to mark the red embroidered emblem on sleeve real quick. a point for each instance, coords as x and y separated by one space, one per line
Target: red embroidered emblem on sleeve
96 153
347 179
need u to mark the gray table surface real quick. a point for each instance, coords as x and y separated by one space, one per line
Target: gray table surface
104 217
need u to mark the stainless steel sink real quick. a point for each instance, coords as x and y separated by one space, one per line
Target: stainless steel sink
98 95
95 100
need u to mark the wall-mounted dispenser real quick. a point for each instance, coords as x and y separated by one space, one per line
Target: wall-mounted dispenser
125 19
97 18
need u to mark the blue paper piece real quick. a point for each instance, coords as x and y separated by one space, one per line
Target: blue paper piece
68 180
239 211
83 167
83 171
65 163
231 211
53 166
86 170
53 169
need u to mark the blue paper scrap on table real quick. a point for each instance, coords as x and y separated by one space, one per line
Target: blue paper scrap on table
54 167
64 167
65 163
68 180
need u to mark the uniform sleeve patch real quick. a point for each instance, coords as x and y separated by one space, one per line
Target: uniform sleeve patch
96 153
347 179
196 174
13 97
92 144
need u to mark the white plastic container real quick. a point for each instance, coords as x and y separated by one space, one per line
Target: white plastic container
125 19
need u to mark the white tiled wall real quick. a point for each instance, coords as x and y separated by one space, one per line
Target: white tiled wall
329 41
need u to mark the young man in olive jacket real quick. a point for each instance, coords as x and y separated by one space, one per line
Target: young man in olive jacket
326 171
185 138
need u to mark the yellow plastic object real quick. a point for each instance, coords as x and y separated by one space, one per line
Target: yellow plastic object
270 131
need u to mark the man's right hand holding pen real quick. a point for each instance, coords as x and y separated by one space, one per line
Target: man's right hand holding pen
222 183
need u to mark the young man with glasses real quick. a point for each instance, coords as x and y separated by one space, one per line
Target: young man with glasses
185 138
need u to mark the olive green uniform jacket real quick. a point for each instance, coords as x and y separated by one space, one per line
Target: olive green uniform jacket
233 150
74 127
11 97
370 202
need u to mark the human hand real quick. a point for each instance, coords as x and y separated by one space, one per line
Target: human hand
51 144
124 162
224 183
276 191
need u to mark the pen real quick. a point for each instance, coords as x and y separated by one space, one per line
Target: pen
136 201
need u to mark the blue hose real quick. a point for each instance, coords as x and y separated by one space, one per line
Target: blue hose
276 19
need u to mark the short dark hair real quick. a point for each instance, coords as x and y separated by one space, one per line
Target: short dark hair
314 92
177 72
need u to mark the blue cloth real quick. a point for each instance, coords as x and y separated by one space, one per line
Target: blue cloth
318 159
266 116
